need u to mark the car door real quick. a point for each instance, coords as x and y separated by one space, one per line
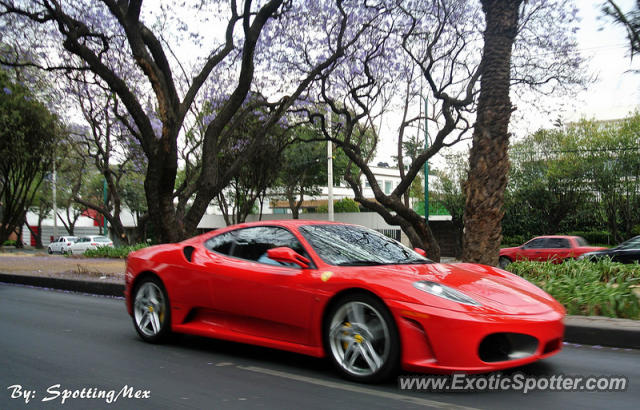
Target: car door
557 249
534 250
55 245
628 252
262 298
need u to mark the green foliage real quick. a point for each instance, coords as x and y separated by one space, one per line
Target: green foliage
585 177
600 288
118 252
513 240
594 237
10 242
28 133
346 205
342 205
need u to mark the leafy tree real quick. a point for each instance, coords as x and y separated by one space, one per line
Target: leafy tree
303 171
580 178
449 191
117 40
629 20
28 133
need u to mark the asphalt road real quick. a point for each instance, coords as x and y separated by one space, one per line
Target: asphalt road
55 343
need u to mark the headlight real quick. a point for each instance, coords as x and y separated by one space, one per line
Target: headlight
445 292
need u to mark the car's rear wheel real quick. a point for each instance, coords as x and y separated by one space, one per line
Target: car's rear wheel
361 338
503 262
151 314
49 251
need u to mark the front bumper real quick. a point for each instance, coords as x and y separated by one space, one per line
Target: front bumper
443 341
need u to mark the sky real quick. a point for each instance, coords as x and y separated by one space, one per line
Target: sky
616 91
614 94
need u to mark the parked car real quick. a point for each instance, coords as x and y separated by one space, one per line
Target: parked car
89 242
61 245
346 292
554 248
626 252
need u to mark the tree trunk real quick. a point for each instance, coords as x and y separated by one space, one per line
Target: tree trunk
488 161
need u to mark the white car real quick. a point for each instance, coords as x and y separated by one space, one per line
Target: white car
89 242
61 245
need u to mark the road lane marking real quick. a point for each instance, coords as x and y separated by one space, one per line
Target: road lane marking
356 389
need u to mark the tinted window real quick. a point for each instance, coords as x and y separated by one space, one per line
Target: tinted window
356 245
633 243
556 243
253 243
581 241
539 243
221 243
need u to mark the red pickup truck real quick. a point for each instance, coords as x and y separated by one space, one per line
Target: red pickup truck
544 248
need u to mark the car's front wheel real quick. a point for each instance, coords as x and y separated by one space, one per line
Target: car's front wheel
361 338
151 314
503 262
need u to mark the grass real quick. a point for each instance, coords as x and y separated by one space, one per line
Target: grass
118 252
587 288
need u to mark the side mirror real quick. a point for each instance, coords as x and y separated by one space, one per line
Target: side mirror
288 255
420 251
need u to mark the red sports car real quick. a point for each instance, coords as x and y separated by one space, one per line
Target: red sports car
555 248
344 291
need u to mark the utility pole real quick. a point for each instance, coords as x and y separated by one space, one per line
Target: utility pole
329 167
55 204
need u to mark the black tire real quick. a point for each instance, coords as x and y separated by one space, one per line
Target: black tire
503 262
361 338
49 251
151 310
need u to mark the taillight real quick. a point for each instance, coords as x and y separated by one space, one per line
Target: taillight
94 244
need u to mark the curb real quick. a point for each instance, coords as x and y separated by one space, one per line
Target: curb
602 331
588 330
80 286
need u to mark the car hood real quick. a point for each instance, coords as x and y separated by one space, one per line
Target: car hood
496 290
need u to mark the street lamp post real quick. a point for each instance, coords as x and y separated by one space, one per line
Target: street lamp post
426 163
55 204
329 167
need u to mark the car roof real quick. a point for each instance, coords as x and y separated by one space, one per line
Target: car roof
556 236
285 223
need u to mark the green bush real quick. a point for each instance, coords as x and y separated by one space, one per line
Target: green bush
600 288
346 205
594 237
118 252
10 242
514 240
343 205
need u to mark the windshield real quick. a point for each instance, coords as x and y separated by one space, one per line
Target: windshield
349 245
633 243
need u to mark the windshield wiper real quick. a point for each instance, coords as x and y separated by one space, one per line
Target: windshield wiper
360 263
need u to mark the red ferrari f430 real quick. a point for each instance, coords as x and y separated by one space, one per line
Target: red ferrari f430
365 301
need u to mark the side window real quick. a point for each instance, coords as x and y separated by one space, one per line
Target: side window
221 243
253 243
536 244
558 243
